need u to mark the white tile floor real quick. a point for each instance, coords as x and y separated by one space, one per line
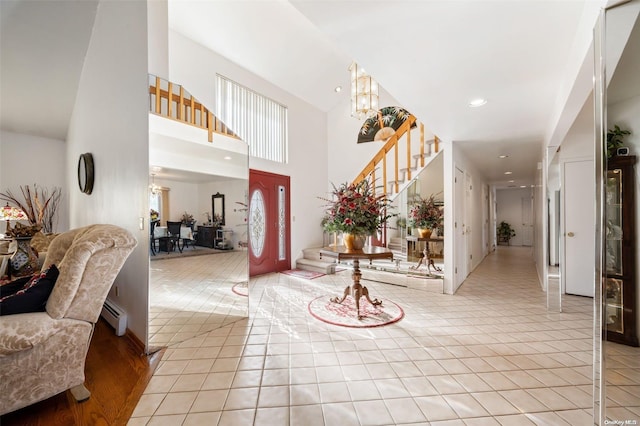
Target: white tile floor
192 295
489 355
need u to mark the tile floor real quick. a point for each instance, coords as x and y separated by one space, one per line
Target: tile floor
192 295
489 355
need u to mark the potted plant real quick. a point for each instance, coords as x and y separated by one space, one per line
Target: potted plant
426 215
505 232
356 212
187 219
615 139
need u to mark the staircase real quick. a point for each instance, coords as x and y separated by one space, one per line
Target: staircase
391 170
311 262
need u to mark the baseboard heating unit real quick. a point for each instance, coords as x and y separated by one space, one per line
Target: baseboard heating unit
115 316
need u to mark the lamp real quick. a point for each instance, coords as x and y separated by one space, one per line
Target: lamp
364 93
155 189
11 213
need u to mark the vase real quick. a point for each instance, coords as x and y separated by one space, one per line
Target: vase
353 242
424 232
25 260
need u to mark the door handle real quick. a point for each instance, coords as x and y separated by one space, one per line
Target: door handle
570 234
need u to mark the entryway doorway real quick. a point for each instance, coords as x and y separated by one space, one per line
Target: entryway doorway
269 219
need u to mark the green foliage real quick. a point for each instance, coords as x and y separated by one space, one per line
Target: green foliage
355 210
615 139
505 231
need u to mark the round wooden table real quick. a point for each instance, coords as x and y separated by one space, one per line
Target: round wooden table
356 290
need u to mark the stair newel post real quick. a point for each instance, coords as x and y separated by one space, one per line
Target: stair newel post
435 144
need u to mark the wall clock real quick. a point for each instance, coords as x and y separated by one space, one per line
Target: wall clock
85 173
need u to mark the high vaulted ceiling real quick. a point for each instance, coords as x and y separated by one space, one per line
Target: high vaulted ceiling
433 57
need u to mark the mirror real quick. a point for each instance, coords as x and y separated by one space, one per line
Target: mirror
553 233
217 208
200 282
617 41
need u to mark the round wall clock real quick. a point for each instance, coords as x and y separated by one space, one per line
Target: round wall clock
85 173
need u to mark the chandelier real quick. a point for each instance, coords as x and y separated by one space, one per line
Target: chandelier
155 189
364 93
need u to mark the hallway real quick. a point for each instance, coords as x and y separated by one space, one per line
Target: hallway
489 355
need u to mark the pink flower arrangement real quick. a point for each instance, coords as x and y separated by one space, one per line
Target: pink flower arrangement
426 214
355 210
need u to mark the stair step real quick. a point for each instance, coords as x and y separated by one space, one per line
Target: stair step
311 253
321 266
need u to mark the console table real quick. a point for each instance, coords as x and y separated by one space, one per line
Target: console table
427 258
356 289
206 236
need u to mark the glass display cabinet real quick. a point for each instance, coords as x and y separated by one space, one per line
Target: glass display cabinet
620 291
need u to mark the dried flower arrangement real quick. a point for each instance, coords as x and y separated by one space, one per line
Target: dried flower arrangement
40 204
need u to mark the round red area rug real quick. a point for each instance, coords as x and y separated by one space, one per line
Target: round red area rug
344 314
241 289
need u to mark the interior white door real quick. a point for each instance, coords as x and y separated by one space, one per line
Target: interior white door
578 220
527 225
460 249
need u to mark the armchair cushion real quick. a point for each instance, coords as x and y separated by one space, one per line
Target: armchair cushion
25 331
32 297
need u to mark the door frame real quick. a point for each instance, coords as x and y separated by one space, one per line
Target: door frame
275 221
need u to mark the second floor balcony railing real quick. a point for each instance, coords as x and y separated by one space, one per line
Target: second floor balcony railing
172 101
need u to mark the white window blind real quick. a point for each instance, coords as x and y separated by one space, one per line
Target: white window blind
261 122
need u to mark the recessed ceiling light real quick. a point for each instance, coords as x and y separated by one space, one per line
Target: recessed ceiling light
227 158
502 156
477 102
338 89
523 186
508 173
511 181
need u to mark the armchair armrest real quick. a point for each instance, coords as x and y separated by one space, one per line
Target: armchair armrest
24 331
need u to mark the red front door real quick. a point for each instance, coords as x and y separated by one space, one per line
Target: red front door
269 224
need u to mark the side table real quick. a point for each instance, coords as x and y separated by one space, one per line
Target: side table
356 289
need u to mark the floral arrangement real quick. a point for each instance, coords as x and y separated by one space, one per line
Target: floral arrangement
187 218
39 204
355 210
23 231
426 214
154 215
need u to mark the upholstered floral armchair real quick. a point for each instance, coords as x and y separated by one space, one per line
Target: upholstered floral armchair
43 353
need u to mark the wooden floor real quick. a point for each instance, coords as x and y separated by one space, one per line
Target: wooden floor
116 373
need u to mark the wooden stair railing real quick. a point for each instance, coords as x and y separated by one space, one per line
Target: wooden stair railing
369 171
183 107
392 144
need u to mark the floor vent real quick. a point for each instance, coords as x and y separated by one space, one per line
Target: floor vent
115 316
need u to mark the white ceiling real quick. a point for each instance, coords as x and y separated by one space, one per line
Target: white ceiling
432 56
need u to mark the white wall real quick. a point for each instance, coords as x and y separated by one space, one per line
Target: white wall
235 191
347 157
183 196
29 160
455 158
509 209
308 155
110 120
